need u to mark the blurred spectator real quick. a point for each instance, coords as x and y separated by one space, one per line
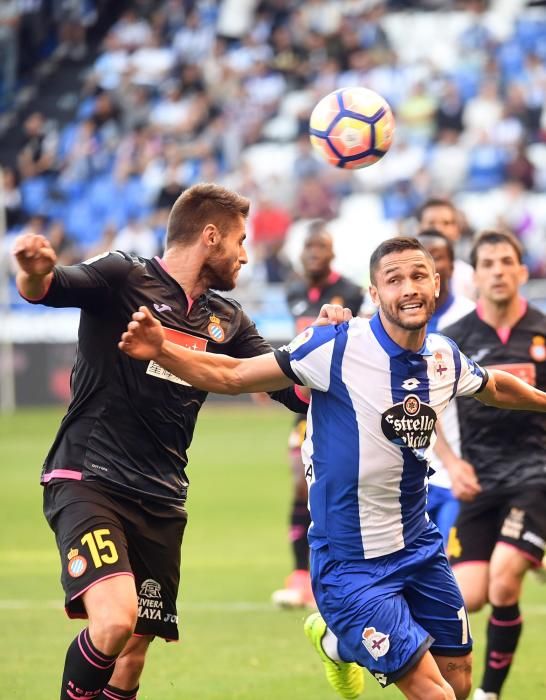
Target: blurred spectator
68 253
137 238
11 198
73 17
520 168
449 111
38 151
9 49
314 200
131 31
417 114
193 41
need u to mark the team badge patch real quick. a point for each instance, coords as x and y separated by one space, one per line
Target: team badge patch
538 348
439 365
300 340
215 330
77 564
376 643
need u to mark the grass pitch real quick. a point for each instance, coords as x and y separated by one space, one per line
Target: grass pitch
234 644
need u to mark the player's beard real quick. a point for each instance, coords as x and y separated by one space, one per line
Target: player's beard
219 273
393 315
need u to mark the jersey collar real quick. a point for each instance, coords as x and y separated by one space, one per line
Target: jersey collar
387 343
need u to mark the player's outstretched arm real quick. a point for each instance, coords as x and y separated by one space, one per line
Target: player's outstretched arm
504 390
35 260
145 339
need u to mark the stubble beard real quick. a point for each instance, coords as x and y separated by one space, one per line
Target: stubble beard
219 275
416 325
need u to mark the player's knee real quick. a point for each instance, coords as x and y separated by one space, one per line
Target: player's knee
503 591
131 664
474 603
111 633
432 691
462 686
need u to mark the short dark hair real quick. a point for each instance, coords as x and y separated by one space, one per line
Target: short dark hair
202 204
491 237
433 233
398 244
434 202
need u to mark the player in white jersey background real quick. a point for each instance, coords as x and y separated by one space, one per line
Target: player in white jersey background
442 504
388 600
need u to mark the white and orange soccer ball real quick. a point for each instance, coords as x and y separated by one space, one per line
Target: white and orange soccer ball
352 127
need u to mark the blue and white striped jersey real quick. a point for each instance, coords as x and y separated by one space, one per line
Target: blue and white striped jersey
370 426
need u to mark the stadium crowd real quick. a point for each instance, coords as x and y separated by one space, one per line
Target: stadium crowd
185 91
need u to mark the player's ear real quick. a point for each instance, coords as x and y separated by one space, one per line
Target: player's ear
523 274
436 285
211 235
374 296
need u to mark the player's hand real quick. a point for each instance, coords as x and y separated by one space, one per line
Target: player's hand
34 254
464 482
332 314
144 336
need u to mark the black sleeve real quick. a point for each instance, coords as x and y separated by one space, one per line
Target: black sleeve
282 355
88 285
249 344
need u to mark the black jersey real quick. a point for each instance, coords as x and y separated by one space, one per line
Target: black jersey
506 448
305 302
130 422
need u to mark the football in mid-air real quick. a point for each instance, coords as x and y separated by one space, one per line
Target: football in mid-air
352 127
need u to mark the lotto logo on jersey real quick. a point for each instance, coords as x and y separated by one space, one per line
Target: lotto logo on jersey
409 423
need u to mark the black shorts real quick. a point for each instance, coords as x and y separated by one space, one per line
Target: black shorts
101 534
516 517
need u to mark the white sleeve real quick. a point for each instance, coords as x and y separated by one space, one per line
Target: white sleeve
308 358
472 378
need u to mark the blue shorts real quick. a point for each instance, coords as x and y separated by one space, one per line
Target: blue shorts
443 509
386 612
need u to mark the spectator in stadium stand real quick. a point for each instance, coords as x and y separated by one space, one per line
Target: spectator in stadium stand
320 285
9 49
442 215
442 506
114 480
387 597
500 534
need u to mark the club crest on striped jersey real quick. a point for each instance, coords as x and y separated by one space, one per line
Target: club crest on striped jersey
409 423
215 330
77 565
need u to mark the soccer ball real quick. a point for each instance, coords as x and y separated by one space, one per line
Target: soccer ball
351 127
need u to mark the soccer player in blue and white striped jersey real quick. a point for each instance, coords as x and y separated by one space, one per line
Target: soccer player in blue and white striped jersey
387 598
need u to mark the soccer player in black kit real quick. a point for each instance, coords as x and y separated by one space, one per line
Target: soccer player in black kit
114 479
501 533
320 285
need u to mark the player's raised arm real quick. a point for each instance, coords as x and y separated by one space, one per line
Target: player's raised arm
35 261
145 340
504 390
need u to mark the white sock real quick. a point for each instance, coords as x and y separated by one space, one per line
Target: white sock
329 644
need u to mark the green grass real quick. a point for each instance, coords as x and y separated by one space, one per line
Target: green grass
234 645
